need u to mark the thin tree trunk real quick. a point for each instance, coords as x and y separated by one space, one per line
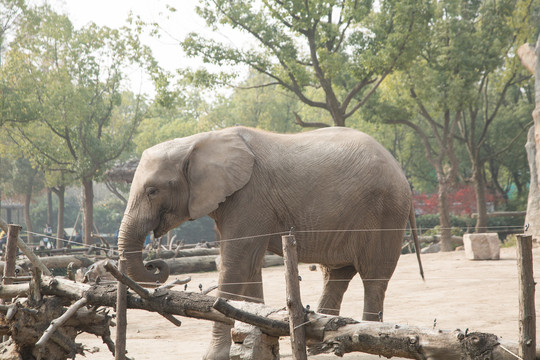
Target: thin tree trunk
49 207
444 216
60 193
88 213
27 219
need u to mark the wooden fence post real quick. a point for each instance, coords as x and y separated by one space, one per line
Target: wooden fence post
294 302
527 312
27 251
121 315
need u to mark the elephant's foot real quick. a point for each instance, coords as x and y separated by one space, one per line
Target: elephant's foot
220 346
217 354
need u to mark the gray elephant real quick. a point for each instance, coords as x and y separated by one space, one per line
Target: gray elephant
345 195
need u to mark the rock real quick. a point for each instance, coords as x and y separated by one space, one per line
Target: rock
484 246
431 249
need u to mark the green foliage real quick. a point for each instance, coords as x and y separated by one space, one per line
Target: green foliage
345 48
68 83
71 210
509 241
108 215
429 224
267 107
164 123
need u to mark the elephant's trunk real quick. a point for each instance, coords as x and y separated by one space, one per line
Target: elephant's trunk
130 245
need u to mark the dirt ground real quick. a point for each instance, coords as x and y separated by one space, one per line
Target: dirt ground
457 293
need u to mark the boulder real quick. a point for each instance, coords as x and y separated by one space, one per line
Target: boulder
483 246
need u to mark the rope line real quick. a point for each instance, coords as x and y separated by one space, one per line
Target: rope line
515 227
511 353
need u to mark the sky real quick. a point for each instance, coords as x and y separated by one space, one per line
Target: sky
113 13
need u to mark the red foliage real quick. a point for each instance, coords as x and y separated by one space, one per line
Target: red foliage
462 201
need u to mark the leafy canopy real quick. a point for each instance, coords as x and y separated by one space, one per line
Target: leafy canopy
345 47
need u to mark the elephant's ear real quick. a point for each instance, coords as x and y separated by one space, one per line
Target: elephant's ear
220 164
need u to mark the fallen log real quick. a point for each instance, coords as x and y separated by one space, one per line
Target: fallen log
180 253
183 265
56 262
26 325
192 264
340 335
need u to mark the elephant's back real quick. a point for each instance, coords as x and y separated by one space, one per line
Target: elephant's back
328 156
339 168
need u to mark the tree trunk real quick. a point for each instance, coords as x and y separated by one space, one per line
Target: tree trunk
88 212
480 191
27 220
444 216
529 58
49 207
60 193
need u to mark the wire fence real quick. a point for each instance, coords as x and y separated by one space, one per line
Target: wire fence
434 231
465 278
115 252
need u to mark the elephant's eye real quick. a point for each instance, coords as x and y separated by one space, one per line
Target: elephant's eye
151 191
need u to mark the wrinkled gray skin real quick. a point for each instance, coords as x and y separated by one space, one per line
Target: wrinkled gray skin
253 183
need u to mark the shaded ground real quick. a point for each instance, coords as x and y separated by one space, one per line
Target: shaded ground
458 293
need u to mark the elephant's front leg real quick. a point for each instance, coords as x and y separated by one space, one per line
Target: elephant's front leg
239 279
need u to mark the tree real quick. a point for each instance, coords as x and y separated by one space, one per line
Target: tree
429 97
530 57
10 12
346 48
493 28
77 78
26 181
269 107
454 90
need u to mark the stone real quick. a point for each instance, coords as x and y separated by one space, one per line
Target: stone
483 246
432 249
250 343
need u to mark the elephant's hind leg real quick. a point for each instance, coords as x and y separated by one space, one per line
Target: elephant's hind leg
336 282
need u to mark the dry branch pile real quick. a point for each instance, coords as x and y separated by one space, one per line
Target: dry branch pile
324 333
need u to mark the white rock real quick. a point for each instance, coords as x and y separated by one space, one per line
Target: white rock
483 246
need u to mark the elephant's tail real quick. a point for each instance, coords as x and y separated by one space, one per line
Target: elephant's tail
412 222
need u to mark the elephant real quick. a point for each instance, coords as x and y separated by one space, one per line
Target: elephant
344 194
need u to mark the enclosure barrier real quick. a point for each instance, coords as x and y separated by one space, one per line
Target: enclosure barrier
323 333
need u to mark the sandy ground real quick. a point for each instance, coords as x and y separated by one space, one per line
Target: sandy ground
458 293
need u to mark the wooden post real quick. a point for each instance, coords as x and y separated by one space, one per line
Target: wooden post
121 315
527 312
11 253
27 251
294 302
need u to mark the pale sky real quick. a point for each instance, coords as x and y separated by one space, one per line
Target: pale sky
113 13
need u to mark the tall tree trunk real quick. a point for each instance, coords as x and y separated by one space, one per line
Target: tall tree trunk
49 207
480 191
444 215
27 219
529 57
88 212
60 193
533 203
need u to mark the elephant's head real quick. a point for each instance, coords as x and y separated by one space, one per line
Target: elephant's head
179 180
